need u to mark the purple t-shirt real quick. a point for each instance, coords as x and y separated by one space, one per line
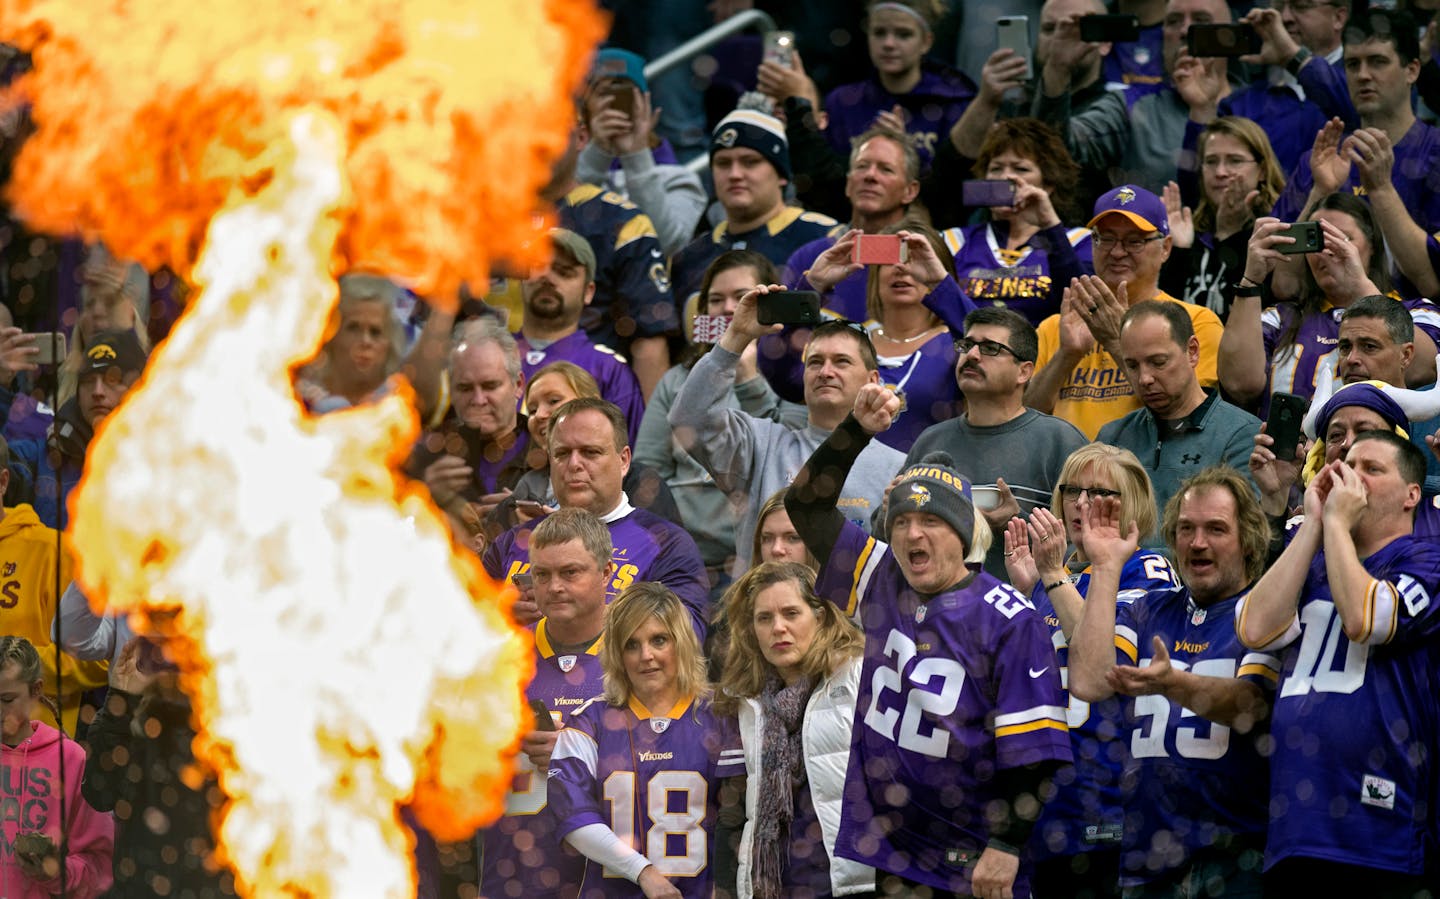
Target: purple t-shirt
955 687
1190 782
611 372
653 779
521 855
1354 776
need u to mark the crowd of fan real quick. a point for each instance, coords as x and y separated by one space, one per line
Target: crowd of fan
1085 547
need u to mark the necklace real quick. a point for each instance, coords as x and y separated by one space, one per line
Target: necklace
880 331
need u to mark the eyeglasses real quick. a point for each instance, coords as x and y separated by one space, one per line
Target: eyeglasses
986 347
1230 162
1073 491
1106 242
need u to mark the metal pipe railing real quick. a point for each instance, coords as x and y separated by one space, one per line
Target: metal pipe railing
708 38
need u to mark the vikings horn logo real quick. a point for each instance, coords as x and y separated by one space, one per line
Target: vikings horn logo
919 495
1126 196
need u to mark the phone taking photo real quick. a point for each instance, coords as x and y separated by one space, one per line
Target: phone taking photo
878 249
788 307
1287 413
1109 29
780 48
1308 239
987 192
1013 33
1222 40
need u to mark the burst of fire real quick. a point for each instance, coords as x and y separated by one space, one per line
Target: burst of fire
341 658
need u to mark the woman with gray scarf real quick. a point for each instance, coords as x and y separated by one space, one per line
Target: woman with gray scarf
793 673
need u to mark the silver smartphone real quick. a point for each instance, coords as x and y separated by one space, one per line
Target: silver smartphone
1013 33
51 345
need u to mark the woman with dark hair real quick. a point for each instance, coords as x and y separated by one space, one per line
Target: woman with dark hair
1286 347
792 675
1023 256
635 775
1240 180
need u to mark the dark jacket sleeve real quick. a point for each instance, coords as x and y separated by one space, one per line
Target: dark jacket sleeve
106 777
1020 787
811 499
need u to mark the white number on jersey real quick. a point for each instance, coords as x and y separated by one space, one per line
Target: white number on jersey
944 677
1008 601
1148 741
1323 640
619 791
527 789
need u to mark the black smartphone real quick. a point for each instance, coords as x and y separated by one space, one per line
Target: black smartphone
543 719
789 307
987 192
1222 40
1287 412
1105 29
1308 239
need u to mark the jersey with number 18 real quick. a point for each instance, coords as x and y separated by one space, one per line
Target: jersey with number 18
653 779
955 687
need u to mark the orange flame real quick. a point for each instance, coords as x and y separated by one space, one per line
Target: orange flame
341 658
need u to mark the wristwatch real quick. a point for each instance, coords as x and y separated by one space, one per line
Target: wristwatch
1299 59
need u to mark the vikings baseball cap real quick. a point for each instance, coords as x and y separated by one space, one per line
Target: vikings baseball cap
1140 206
612 62
114 349
576 247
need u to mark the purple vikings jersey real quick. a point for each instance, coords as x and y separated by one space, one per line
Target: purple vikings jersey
1085 814
521 855
1353 777
651 779
1190 782
954 687
1295 368
775 240
612 373
1138 65
632 288
1027 280
647 548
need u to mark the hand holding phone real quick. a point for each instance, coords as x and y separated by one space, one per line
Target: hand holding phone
780 48
987 192
878 249
1013 33
543 719
51 346
1308 239
788 307
1287 413
1223 40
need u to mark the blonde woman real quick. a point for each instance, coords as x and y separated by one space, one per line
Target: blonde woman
793 673
635 775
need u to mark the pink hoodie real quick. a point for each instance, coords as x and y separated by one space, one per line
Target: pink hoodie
30 800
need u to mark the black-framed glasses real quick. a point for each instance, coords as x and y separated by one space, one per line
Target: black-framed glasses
1106 242
986 347
1073 491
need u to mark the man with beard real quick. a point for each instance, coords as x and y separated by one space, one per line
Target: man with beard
1195 782
998 442
554 298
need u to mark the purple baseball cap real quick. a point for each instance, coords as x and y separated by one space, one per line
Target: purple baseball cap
1137 204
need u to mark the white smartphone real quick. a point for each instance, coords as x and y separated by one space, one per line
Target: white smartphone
1013 33
51 345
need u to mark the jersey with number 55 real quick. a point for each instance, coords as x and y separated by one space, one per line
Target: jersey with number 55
954 687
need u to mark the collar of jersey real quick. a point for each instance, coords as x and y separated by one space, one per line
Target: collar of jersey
542 643
644 714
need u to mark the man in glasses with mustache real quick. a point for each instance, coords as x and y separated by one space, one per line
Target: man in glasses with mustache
998 442
1182 428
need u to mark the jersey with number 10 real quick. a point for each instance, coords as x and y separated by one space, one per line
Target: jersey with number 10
521 855
955 687
1355 724
1086 813
652 779
1191 783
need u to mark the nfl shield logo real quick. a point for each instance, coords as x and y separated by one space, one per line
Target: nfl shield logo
659 725
535 357
566 663
920 615
1198 617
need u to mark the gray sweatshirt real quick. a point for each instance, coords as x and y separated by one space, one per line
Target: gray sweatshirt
752 458
670 195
